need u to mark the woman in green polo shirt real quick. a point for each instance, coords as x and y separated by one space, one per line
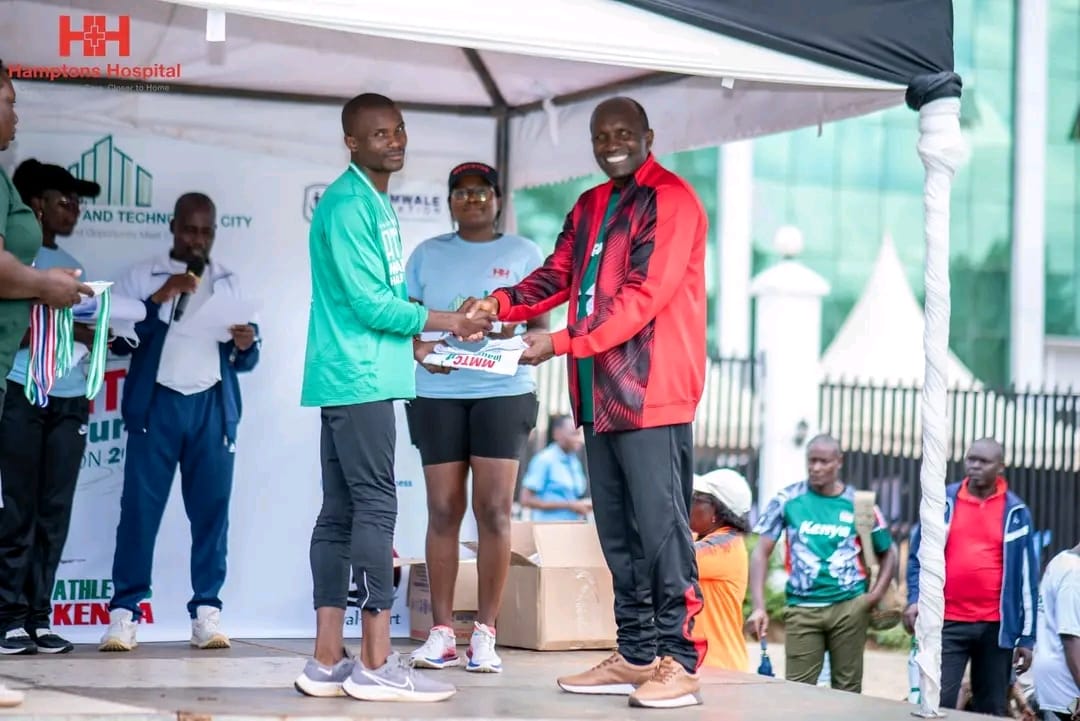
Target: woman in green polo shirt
20 239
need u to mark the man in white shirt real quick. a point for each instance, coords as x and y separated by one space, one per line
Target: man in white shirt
181 405
1057 652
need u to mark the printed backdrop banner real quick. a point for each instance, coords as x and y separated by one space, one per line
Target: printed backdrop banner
264 206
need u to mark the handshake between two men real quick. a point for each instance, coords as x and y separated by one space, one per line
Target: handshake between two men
472 322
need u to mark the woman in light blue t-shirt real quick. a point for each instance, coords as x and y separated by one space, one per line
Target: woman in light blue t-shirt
41 448
470 419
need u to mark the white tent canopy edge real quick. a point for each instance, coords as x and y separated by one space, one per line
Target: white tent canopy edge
592 31
543 77
522 47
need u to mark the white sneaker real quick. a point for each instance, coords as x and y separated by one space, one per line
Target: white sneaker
439 651
206 629
121 633
482 656
9 697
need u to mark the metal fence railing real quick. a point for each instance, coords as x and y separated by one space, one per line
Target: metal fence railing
727 428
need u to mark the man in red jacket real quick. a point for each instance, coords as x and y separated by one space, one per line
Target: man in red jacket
630 262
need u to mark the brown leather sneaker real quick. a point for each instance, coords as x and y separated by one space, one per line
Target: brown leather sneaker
669 687
614 676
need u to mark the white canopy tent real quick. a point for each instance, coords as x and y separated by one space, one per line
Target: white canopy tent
536 78
878 342
529 74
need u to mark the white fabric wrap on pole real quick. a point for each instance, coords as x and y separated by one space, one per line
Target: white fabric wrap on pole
942 149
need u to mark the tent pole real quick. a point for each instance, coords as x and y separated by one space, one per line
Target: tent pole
501 110
943 149
502 155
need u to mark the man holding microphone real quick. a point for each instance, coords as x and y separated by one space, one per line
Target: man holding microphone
181 405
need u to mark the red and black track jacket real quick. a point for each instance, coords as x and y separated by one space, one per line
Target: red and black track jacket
647 329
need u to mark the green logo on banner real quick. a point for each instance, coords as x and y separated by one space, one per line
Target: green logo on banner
123 182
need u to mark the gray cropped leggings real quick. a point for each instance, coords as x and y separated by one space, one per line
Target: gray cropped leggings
355 527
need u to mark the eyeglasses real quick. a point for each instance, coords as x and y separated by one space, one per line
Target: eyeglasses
481 195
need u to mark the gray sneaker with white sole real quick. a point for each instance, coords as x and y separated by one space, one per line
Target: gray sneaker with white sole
395 681
322 682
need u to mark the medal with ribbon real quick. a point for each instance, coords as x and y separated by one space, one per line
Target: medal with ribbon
52 347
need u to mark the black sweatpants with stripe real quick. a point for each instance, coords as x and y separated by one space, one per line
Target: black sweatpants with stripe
355 527
642 485
41 450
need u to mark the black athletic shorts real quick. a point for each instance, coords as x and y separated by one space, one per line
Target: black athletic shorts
448 430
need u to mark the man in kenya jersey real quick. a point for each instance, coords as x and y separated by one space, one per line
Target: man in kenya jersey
828 599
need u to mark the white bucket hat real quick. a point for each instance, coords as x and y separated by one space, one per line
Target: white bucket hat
727 486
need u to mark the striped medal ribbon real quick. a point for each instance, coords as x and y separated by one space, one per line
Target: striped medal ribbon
52 347
95 375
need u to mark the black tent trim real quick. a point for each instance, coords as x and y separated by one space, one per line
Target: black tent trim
907 42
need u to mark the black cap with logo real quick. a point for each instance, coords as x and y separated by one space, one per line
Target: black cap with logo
32 178
481 170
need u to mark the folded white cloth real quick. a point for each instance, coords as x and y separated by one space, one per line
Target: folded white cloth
124 313
122 309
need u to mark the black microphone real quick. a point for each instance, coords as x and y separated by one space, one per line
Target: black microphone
195 268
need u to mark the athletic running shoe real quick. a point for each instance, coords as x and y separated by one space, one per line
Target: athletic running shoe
439 651
396 680
482 656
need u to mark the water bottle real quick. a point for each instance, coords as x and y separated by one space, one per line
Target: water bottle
913 674
765 667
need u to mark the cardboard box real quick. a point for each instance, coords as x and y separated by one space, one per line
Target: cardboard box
465 606
559 595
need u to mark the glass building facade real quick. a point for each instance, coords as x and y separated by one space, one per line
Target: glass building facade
857 180
1063 170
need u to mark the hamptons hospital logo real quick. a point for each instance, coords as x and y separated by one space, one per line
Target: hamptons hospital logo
92 37
408 206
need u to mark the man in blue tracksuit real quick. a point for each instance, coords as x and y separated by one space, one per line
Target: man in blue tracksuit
991 583
181 406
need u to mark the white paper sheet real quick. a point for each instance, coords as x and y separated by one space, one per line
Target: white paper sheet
214 317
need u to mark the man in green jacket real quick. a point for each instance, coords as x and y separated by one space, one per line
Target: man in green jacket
360 351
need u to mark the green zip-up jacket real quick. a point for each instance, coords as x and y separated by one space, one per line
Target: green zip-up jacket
361 325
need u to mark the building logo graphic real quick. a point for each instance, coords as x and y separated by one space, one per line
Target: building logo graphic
95 36
122 181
